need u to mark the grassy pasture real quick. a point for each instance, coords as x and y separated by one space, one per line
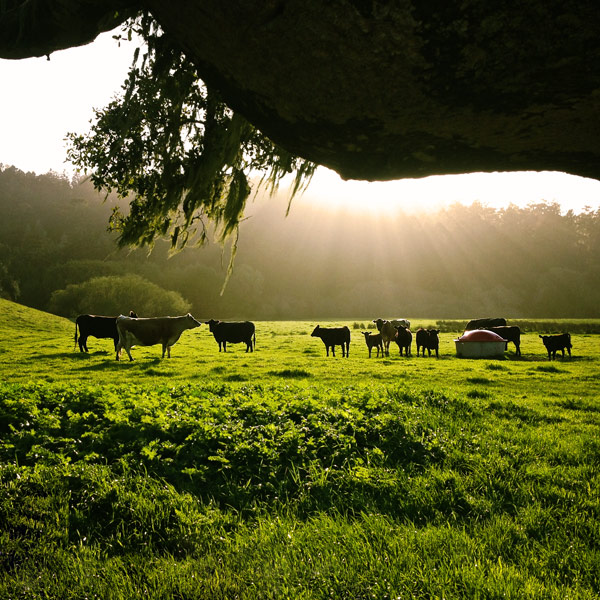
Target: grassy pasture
286 474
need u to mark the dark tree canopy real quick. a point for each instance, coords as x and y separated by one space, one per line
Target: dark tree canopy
176 150
376 90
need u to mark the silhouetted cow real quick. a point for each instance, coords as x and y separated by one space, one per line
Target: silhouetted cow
332 337
233 333
554 343
98 327
428 340
404 340
373 340
485 323
511 333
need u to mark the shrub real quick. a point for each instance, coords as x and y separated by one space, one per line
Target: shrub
114 295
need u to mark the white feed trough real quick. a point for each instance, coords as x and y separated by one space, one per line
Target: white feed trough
480 343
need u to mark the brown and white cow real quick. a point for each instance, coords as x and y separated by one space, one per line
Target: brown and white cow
151 331
388 333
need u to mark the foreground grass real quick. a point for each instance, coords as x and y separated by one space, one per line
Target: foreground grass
285 475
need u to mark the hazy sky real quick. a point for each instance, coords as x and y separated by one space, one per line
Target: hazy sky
43 100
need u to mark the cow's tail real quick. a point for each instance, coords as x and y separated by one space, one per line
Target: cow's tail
254 339
75 343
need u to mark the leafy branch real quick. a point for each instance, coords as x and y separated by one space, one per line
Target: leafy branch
176 152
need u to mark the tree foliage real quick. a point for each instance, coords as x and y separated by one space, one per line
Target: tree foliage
462 262
114 295
170 145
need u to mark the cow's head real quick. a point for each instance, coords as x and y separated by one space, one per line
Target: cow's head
379 323
211 324
315 333
192 322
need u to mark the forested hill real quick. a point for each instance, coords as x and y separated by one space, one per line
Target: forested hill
56 255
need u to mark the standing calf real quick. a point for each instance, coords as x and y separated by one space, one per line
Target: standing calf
373 341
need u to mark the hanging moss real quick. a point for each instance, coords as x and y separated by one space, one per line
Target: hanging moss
177 152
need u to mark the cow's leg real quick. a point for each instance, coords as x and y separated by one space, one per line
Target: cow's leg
83 343
225 346
518 347
333 350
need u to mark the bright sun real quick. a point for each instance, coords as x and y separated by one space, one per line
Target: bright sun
327 190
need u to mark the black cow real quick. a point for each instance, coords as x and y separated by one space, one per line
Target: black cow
428 340
332 337
404 340
485 323
98 327
554 343
511 333
234 333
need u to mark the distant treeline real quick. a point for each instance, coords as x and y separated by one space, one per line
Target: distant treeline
538 326
459 263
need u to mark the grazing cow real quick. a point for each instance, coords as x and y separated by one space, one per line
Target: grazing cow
511 333
151 331
98 327
554 343
234 333
373 341
485 323
404 340
332 337
428 340
388 333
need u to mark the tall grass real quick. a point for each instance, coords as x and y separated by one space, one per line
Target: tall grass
300 477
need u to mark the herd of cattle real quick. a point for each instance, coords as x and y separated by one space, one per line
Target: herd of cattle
129 331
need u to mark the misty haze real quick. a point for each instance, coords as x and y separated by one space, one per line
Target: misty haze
316 263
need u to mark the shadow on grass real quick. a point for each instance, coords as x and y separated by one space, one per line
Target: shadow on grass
510 410
290 373
578 405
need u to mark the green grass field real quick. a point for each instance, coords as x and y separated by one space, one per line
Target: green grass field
285 474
